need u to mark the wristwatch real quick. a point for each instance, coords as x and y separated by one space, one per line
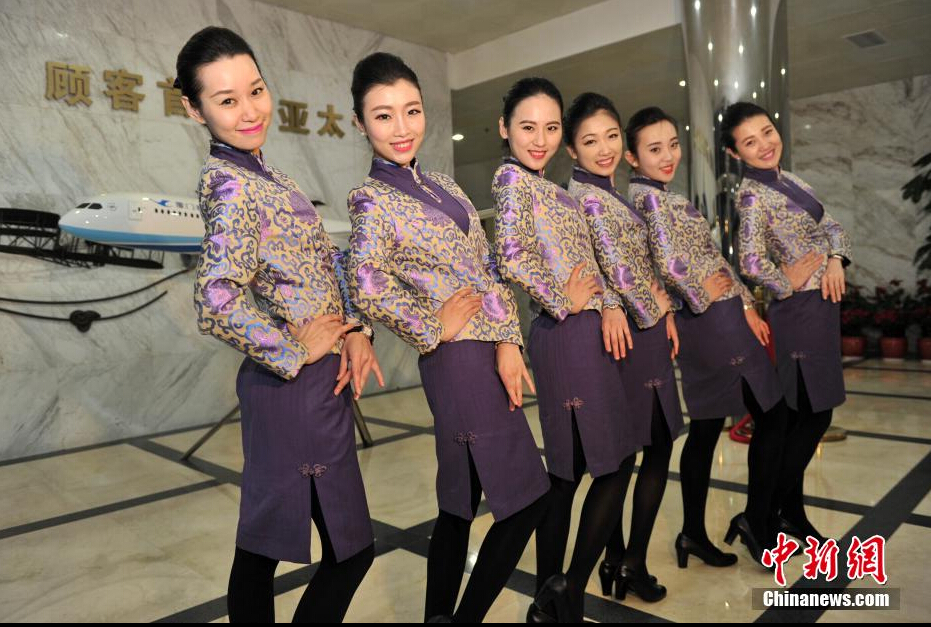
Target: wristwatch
364 330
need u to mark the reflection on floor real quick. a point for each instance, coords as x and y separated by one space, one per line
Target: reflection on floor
125 532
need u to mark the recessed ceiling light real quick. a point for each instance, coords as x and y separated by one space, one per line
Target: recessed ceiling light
762 84
458 137
681 83
715 82
777 115
686 127
740 49
754 95
736 85
697 5
720 118
753 11
782 71
710 46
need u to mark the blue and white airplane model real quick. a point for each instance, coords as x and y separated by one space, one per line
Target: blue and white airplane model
154 222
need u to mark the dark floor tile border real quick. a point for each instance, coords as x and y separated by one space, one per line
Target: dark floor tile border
911 397
894 509
887 436
109 508
91 447
880 369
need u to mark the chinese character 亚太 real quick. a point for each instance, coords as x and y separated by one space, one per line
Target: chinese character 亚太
172 95
68 82
293 116
120 85
330 127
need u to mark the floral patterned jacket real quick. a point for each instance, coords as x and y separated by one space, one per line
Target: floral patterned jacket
266 261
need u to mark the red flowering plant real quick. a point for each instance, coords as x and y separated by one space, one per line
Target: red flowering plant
890 314
855 312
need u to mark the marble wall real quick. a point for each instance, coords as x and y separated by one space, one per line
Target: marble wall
856 148
152 371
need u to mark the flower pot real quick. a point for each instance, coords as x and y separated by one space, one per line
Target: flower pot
852 346
892 348
924 348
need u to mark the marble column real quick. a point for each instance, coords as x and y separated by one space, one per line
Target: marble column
735 51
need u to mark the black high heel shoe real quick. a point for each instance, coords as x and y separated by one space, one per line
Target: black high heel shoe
640 582
741 526
554 594
709 553
799 531
607 572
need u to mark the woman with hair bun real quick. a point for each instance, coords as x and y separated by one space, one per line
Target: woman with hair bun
303 341
576 339
789 244
725 368
594 138
420 264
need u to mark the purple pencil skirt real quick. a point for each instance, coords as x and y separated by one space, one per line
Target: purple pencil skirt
471 416
295 432
806 330
574 373
647 372
717 350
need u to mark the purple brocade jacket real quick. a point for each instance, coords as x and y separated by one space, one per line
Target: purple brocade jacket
781 221
540 237
681 245
407 258
263 236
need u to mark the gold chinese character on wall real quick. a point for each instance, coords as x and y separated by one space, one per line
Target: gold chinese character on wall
293 116
121 89
172 94
330 127
68 82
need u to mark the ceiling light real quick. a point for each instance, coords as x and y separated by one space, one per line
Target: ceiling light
752 11
458 137
681 83
740 49
777 115
710 46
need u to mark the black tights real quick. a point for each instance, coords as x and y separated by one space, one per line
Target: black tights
648 494
497 558
764 460
805 430
600 514
251 596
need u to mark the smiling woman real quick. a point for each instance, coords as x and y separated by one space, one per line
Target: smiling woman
579 334
420 264
300 337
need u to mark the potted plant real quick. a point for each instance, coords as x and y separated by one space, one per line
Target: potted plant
914 190
890 316
854 314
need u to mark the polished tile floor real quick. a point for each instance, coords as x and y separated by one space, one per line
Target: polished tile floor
126 532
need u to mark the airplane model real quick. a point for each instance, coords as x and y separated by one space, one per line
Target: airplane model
154 222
